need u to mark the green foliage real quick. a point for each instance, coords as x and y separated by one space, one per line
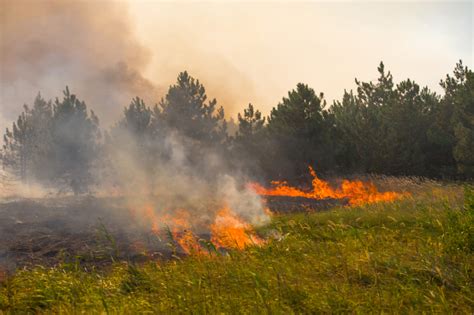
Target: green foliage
249 143
301 129
299 114
53 144
251 123
459 95
76 138
137 118
27 147
138 133
380 258
384 127
185 109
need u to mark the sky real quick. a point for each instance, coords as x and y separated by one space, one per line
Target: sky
109 52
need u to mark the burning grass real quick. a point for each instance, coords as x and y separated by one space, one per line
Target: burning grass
229 231
356 192
411 255
226 229
51 230
195 236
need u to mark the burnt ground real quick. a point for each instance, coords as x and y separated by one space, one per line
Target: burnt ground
93 231
86 230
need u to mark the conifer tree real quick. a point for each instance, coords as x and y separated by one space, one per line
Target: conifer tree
76 137
301 128
185 109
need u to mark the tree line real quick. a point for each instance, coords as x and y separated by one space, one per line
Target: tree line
380 127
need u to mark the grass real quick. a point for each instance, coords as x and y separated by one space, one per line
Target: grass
411 256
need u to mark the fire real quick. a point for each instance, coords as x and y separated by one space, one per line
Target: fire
180 229
188 242
229 231
226 230
150 215
357 192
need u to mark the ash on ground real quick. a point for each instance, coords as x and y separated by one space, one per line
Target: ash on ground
85 230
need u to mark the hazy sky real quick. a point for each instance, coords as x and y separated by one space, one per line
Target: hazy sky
242 51
268 47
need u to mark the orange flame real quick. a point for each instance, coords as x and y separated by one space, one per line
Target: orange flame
150 215
357 192
180 229
188 242
229 231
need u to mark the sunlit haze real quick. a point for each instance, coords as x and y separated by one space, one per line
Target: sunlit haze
242 51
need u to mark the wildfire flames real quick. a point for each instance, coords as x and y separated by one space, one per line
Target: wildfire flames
356 192
227 230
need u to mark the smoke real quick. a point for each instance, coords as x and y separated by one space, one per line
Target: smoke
175 181
234 48
90 46
109 52
11 188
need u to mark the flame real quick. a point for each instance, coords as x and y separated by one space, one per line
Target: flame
150 215
229 231
188 242
357 192
182 233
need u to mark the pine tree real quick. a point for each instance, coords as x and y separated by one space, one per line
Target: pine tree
384 127
249 146
137 117
302 127
42 155
26 149
76 137
458 110
139 133
250 123
17 146
185 109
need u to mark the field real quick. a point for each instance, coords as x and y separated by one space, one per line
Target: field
412 255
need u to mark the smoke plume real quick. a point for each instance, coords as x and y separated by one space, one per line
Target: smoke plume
176 181
93 47
90 46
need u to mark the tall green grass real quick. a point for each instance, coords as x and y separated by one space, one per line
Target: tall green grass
413 255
